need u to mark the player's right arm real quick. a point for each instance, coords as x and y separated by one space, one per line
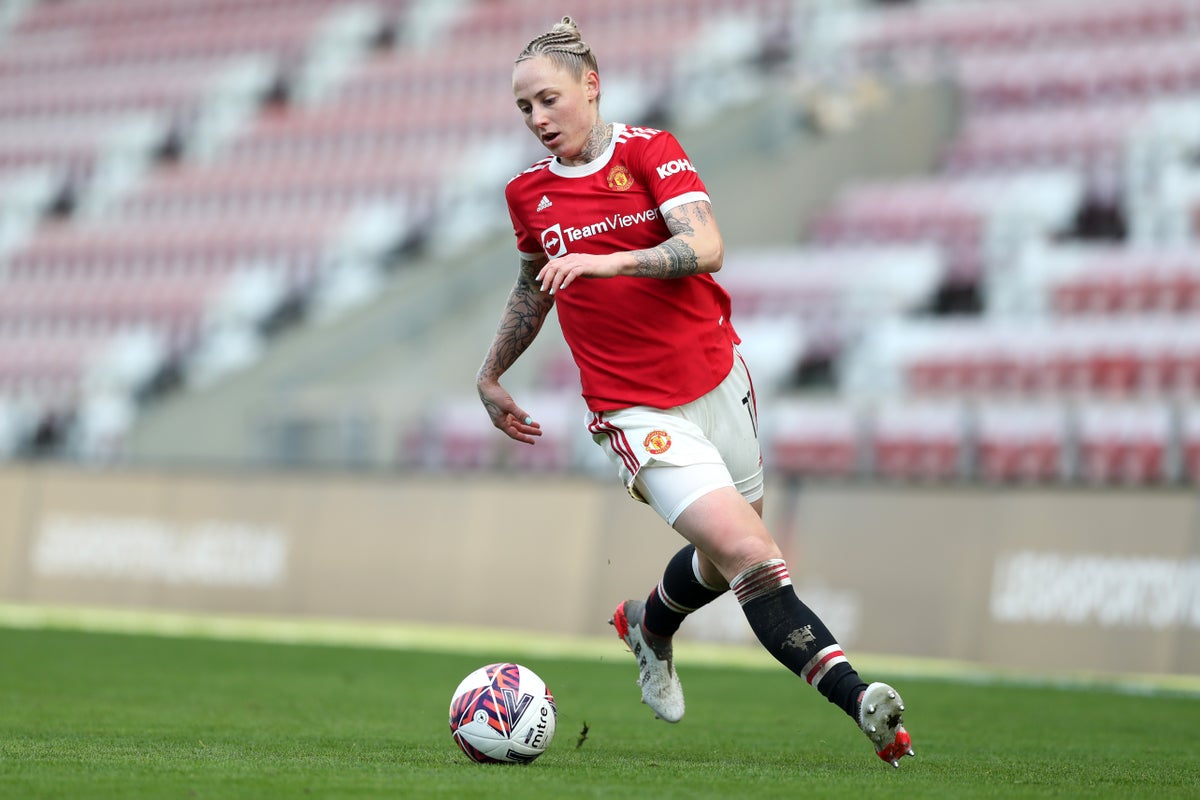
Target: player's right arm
524 313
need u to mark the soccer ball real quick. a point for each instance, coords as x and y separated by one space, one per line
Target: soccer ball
503 714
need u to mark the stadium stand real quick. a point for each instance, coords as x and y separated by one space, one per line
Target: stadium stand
835 293
1126 444
965 217
180 181
183 145
1016 26
1111 356
1076 359
1023 443
918 441
814 437
95 98
1189 445
455 437
1087 138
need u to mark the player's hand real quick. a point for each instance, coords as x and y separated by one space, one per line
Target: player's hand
558 273
506 414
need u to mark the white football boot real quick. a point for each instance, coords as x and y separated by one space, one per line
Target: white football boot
661 689
880 715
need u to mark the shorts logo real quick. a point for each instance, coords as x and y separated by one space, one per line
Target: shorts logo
657 442
619 179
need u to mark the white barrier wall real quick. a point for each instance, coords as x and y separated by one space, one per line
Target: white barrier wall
1081 580
1105 581
536 553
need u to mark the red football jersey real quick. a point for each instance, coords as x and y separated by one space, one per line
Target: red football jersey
636 341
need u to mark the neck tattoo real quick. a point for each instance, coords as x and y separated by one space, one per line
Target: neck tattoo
597 142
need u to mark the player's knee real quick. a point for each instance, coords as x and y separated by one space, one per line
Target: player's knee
746 555
737 551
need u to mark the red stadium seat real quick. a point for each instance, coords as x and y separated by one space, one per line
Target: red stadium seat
1190 444
1123 443
979 27
918 441
812 438
950 211
1021 442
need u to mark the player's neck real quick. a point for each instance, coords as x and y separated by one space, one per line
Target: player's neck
598 141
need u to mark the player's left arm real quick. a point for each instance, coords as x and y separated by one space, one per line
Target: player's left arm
694 247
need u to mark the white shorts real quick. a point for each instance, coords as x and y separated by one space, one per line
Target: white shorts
712 441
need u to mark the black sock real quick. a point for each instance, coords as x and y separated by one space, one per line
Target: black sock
794 635
680 592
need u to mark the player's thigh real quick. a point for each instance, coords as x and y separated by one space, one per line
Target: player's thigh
728 530
669 489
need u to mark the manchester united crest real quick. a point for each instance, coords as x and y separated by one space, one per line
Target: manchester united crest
619 179
657 442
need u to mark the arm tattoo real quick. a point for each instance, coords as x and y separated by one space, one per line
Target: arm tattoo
520 322
675 257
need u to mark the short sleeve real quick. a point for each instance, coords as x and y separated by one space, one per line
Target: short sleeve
669 173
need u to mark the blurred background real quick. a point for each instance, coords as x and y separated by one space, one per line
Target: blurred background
252 252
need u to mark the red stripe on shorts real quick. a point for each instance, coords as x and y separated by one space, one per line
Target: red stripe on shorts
617 441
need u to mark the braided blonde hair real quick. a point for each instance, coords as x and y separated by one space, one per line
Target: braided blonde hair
563 45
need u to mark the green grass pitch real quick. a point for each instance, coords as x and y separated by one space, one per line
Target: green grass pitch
120 715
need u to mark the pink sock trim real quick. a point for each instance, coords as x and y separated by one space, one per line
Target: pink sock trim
760 579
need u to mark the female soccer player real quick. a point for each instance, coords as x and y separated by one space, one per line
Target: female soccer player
615 229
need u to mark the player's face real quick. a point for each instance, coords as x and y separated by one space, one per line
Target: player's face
558 108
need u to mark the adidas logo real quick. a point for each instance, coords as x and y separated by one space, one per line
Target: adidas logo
544 204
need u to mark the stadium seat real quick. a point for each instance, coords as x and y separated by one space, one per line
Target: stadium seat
1079 73
54 34
1123 443
1190 444
834 292
1021 442
1068 279
775 349
1083 356
918 441
957 213
174 306
812 438
1089 137
981 27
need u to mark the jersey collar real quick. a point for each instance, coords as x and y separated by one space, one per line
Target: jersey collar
593 166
